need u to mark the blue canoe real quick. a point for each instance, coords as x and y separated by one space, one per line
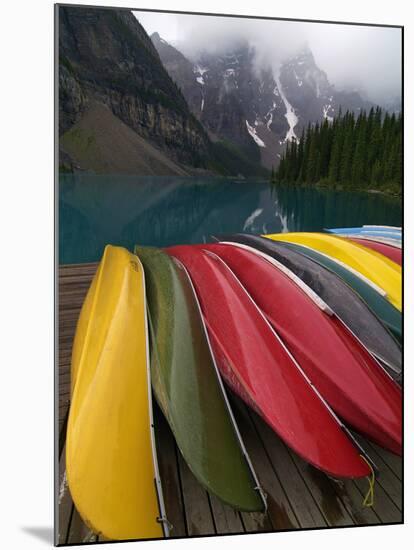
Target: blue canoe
369 231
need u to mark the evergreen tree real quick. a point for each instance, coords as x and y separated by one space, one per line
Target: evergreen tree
362 151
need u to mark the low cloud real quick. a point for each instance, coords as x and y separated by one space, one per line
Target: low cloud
353 56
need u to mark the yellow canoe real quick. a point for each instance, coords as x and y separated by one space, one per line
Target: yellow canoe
385 273
110 452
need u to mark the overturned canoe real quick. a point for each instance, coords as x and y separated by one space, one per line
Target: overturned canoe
188 387
390 242
345 374
257 366
384 273
110 450
370 230
340 297
390 252
389 315
381 227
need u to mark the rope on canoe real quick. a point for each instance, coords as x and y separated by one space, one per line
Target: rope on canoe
369 497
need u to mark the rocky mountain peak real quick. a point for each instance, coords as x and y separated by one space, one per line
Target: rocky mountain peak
259 109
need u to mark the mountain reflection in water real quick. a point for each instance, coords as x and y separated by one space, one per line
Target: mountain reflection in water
95 210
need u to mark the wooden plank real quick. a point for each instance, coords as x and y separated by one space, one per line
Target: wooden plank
75 299
393 461
77 279
256 522
351 498
170 478
64 371
69 311
301 500
384 507
197 507
79 532
76 269
387 479
226 518
279 511
64 379
72 291
67 333
65 355
65 503
65 323
324 492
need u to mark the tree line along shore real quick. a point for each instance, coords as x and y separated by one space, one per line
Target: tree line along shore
351 152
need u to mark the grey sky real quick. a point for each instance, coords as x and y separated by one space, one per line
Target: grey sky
353 56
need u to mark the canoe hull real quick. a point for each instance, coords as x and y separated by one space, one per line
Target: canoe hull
382 308
188 388
110 458
373 231
380 270
390 252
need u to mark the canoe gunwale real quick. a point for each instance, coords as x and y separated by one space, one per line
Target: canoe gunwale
317 300
162 519
393 329
358 274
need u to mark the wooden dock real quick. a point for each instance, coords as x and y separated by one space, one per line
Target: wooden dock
298 495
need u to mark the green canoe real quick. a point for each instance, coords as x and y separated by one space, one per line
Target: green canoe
380 306
188 388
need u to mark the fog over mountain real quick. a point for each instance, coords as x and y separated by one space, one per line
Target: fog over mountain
353 57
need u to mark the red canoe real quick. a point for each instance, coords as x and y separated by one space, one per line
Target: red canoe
394 254
257 366
343 371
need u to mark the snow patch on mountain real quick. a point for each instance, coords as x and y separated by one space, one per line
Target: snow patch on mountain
290 114
270 119
269 115
325 111
200 80
252 132
199 69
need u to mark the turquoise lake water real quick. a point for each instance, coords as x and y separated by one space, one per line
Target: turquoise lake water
161 211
